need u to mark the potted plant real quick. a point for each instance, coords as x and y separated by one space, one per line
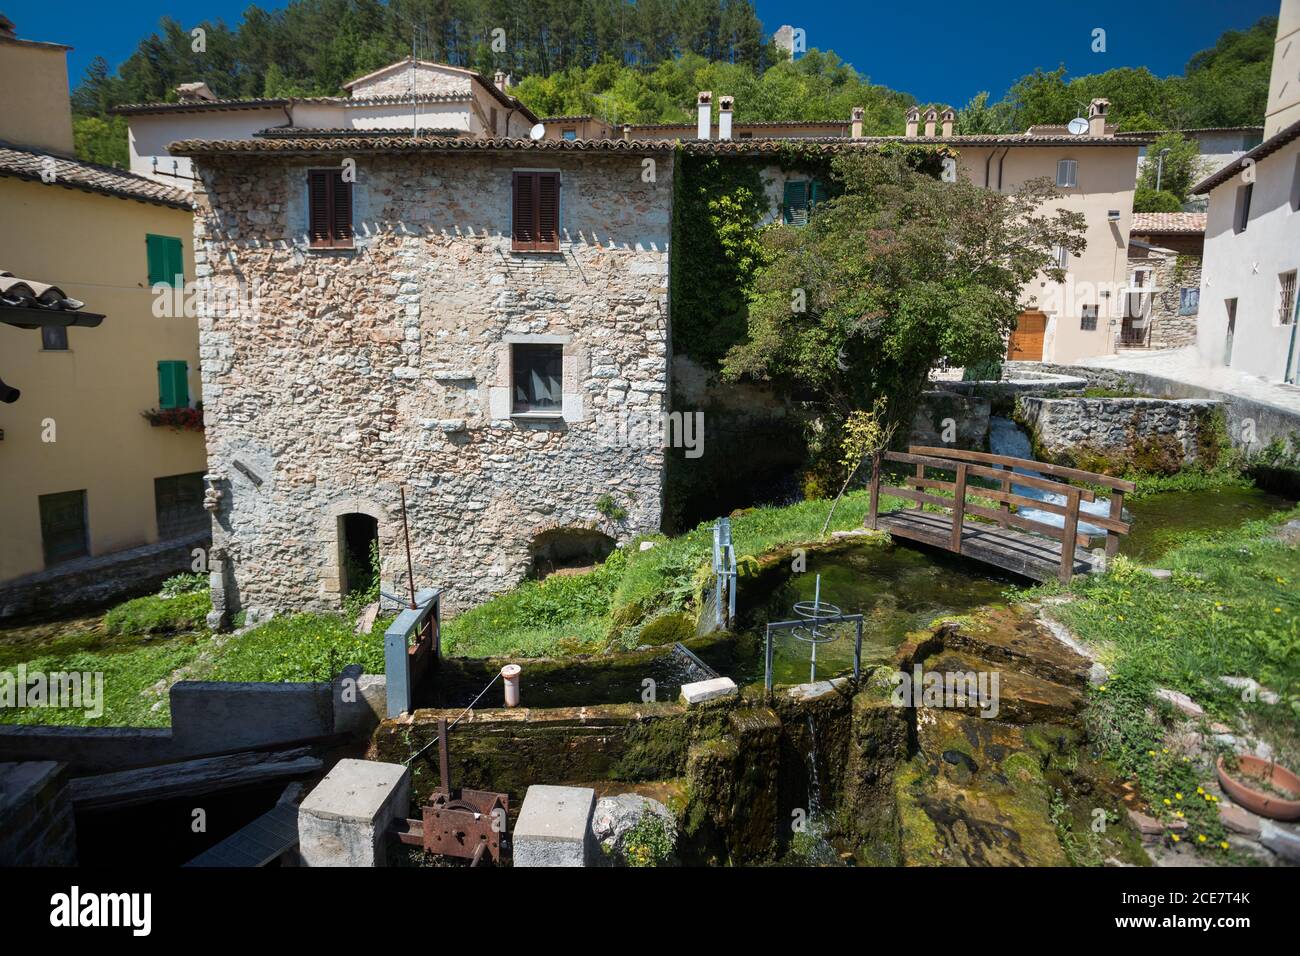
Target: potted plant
1261 786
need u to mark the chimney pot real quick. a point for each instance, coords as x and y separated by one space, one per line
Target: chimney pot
913 118
931 117
855 123
948 117
725 105
704 114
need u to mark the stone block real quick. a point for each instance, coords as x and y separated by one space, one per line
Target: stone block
212 716
345 820
705 690
554 827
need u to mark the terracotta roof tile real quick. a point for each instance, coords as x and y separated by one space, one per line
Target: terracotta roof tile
1168 223
74 173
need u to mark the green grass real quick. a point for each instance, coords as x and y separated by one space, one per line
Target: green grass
587 612
1232 607
300 647
156 614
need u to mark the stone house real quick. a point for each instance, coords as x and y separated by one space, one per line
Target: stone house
481 324
1164 290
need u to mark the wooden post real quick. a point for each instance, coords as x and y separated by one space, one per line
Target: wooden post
1071 531
958 508
920 474
875 490
1116 512
1005 507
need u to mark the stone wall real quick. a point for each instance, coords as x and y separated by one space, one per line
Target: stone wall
1170 272
37 827
1114 435
104 577
358 372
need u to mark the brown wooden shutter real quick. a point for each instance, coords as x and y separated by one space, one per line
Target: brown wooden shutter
548 211
535 215
523 229
329 217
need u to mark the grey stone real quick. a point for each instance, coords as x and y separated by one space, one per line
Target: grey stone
616 816
1238 819
1180 701
554 827
1282 840
345 820
706 690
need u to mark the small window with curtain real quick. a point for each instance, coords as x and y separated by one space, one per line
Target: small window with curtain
537 372
1189 301
535 212
165 261
1088 320
1067 173
173 384
329 202
800 199
1061 257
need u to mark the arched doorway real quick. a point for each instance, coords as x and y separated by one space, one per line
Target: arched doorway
358 554
568 550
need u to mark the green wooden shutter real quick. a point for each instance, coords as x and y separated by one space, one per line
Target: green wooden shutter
796 202
166 261
816 193
173 385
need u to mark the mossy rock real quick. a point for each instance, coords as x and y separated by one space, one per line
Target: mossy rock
668 628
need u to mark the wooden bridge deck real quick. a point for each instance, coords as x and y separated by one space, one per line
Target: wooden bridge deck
1028 555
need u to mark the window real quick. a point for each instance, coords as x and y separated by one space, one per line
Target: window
173 385
535 225
1061 257
178 505
570 134
54 338
1286 298
1243 206
801 198
329 201
1088 322
63 526
1189 301
165 260
537 372
1067 173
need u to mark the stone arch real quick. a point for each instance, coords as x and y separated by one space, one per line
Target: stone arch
560 547
333 543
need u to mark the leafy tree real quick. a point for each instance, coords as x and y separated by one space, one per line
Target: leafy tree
1181 169
896 273
978 117
1146 199
101 140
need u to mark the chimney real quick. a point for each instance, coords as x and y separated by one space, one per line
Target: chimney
704 107
192 92
499 80
725 104
913 117
1097 110
627 131
855 125
948 117
931 117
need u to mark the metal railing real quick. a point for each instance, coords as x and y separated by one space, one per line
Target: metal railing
724 574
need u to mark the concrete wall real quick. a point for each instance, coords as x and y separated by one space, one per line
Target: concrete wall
92 247
34 107
37 827
151 132
1246 266
364 370
1105 181
1283 90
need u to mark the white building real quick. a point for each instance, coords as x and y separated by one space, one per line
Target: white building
433 98
1248 317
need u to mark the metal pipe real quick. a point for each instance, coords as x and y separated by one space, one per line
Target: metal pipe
510 675
406 532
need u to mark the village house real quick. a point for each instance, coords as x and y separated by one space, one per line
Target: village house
1164 285
1248 315
482 321
94 499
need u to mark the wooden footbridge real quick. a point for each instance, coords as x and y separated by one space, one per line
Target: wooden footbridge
982 489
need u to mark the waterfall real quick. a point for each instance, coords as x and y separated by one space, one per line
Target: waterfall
1008 438
814 782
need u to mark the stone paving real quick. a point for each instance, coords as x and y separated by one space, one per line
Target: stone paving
1185 365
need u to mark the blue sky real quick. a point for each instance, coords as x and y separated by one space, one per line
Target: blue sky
938 51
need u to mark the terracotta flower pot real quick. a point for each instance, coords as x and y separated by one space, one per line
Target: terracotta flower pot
1258 801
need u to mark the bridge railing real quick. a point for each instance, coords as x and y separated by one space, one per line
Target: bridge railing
1001 470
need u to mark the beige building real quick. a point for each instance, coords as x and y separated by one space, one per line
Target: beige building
92 496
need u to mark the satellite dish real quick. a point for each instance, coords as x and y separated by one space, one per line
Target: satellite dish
1078 126
537 132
